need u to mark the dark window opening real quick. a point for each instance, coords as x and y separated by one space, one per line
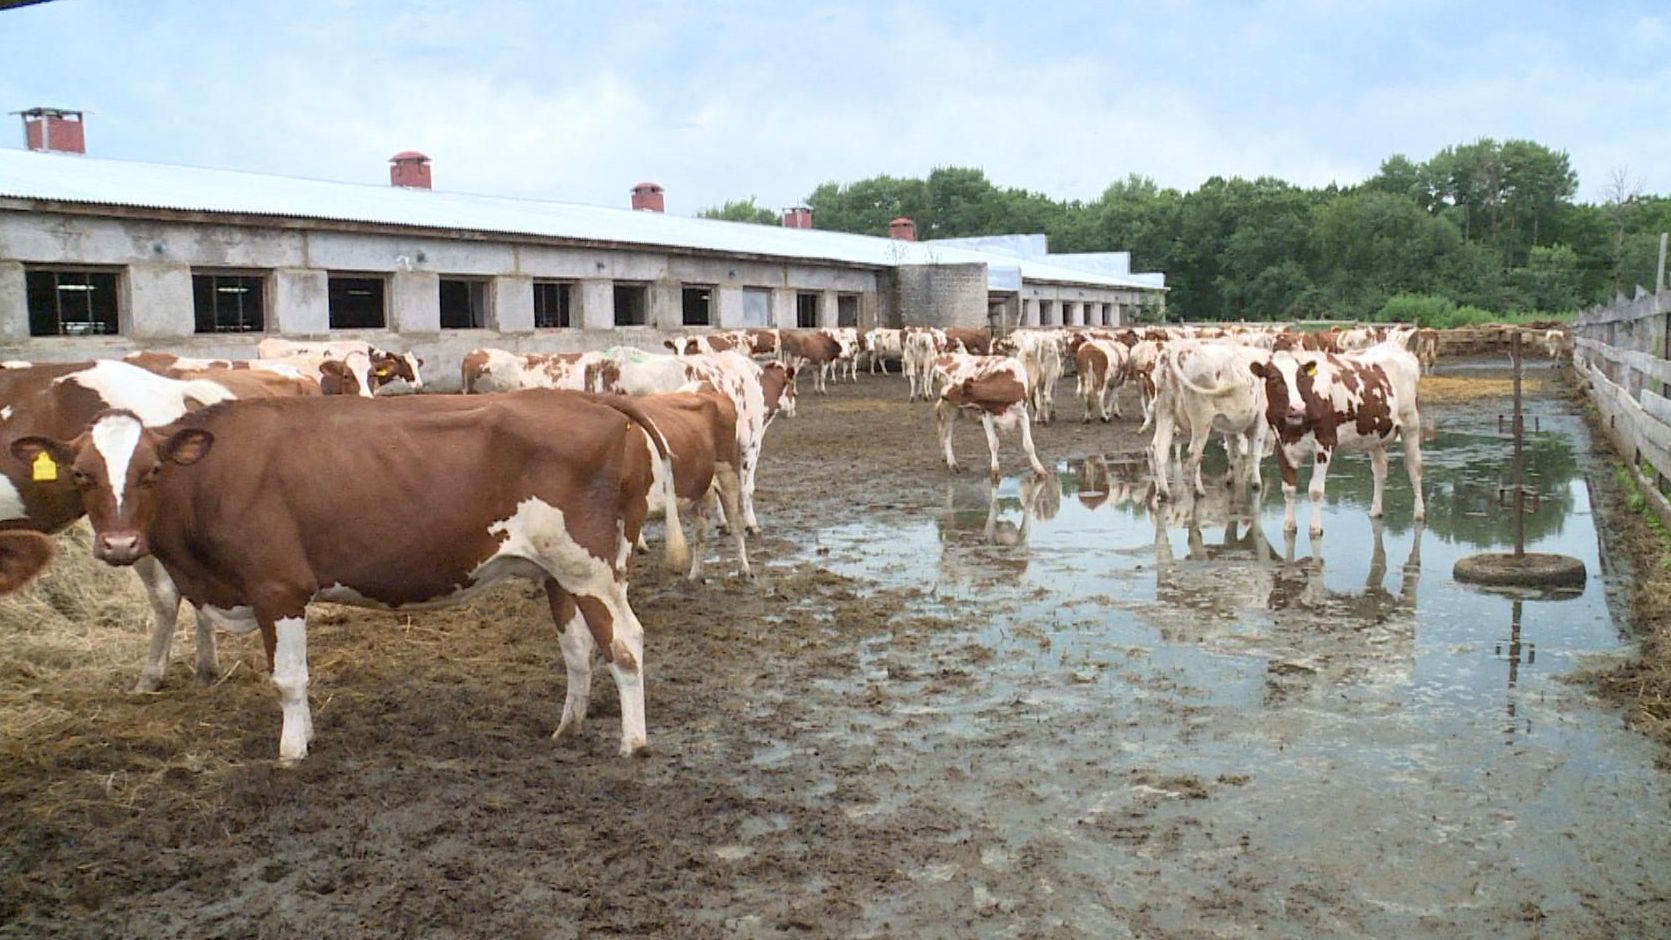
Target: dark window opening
552 305
228 303
1047 313
71 303
632 305
847 310
698 306
356 303
806 311
463 304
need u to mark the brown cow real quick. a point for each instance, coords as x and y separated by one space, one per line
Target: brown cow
802 348
246 506
23 555
700 427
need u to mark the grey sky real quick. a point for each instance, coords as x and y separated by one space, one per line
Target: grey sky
578 101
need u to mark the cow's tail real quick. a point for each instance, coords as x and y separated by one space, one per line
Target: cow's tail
678 550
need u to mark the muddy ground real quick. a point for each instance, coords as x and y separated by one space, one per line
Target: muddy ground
779 796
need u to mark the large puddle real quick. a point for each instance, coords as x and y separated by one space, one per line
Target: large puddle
1336 714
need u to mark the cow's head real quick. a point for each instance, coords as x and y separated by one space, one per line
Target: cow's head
335 378
1289 385
116 464
777 382
386 367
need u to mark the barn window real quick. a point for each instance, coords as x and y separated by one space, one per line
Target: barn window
71 303
698 305
553 304
632 305
847 310
757 307
806 311
463 304
356 302
229 303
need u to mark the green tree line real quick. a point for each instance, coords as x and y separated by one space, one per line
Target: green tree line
1478 231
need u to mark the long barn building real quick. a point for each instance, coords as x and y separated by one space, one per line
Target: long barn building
102 257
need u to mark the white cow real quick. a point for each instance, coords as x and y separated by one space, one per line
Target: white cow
1201 387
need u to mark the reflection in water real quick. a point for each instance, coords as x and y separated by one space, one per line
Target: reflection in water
972 508
1517 654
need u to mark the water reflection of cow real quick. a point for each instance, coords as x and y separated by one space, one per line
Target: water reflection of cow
983 538
1364 637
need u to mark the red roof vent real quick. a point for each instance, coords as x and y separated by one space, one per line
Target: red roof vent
903 229
649 197
409 169
797 217
54 130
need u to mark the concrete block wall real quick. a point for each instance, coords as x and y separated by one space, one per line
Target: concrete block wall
942 295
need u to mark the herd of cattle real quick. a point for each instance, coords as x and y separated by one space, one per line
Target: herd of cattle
251 487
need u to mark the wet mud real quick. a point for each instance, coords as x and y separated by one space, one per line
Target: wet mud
1043 709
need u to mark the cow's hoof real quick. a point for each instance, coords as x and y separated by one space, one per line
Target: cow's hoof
752 531
207 676
569 729
1290 527
148 684
1105 421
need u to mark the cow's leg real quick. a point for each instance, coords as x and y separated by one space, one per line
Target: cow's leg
284 632
1290 493
1198 436
577 645
1413 467
207 657
729 487
945 413
992 440
1378 464
164 599
750 456
609 615
1160 456
1319 477
699 510
1027 445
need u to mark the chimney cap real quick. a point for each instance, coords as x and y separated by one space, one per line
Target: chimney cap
647 186
902 220
405 155
50 112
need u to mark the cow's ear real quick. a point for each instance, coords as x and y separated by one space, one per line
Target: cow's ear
187 447
1311 368
669 344
30 449
1257 368
334 368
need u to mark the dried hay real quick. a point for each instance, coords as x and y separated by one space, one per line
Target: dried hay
1454 388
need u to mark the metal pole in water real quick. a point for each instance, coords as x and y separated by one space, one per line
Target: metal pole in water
1519 459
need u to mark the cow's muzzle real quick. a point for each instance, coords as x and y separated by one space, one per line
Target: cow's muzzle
119 548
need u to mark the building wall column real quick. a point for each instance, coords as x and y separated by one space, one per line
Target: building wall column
1076 312
667 305
415 302
728 308
596 299
1030 312
301 302
783 308
512 303
159 301
829 314
870 311
14 303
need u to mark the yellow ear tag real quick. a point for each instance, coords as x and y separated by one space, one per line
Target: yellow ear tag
46 469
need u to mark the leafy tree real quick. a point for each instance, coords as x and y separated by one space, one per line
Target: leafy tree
741 210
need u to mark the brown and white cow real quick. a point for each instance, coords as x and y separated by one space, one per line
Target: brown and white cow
1202 387
852 345
1102 368
992 387
1321 404
1042 353
886 345
496 370
251 378
922 345
383 367
1424 345
695 343
446 495
24 554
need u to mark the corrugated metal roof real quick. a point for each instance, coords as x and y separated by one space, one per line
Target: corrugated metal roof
74 178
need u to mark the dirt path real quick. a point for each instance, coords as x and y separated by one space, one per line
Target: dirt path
829 756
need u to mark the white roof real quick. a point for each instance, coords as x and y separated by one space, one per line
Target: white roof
75 178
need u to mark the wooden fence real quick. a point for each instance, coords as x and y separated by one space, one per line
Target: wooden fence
1620 351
